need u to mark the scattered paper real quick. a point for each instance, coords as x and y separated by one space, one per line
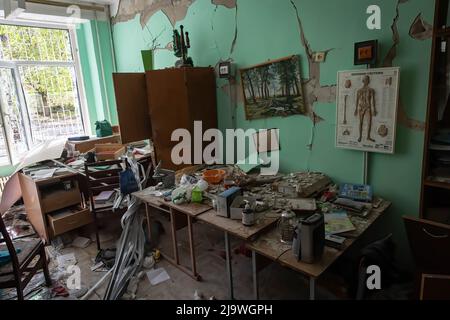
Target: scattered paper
66 260
157 276
43 173
77 163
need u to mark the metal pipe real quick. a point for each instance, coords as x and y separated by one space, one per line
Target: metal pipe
99 282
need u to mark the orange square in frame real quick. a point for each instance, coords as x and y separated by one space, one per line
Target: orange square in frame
365 52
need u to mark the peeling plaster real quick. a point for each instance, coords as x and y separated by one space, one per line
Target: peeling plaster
230 4
420 29
402 116
312 89
175 10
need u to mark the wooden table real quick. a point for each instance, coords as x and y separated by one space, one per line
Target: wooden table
180 216
269 246
264 220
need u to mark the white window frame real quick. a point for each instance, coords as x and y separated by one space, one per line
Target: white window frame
75 64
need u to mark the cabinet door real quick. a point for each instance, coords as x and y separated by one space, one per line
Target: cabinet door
201 88
132 107
32 200
168 105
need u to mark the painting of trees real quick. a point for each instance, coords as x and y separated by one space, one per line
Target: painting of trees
273 89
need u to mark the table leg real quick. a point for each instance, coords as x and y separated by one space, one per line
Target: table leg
312 288
191 245
229 267
255 276
174 237
149 227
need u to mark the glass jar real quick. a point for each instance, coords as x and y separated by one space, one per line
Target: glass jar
286 226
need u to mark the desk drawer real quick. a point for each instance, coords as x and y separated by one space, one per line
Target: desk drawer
60 199
66 220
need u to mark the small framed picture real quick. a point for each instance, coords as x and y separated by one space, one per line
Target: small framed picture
366 52
225 69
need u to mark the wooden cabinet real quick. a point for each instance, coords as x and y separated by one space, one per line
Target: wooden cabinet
54 205
177 98
154 104
435 196
132 109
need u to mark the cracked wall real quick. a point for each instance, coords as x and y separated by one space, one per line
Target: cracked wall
253 31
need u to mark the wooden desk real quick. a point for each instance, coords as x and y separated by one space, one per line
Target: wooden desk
269 246
45 198
180 216
264 220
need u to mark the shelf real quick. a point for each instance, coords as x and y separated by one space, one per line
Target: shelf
443 32
437 184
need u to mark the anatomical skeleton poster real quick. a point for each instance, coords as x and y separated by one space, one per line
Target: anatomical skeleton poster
367 109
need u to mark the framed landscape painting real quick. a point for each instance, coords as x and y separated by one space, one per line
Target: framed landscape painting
273 89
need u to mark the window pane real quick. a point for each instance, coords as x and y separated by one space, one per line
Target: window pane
34 44
12 114
52 100
4 159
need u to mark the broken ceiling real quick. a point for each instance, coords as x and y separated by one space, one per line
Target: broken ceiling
175 10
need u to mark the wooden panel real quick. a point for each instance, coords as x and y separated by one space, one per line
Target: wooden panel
178 97
30 194
59 199
430 243
167 95
202 96
132 108
61 223
435 287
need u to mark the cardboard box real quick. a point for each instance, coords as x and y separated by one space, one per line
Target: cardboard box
109 151
225 199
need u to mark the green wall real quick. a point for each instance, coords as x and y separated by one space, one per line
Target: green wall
268 30
94 45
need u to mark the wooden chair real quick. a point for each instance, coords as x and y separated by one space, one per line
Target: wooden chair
430 242
23 265
97 181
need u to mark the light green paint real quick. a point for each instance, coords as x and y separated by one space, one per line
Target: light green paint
95 53
268 30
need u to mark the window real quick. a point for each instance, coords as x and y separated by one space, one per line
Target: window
39 97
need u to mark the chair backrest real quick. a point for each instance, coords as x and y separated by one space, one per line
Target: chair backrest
99 179
430 245
9 244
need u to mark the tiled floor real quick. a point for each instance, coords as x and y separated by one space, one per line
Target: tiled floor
276 282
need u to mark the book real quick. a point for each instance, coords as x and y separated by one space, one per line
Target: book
338 222
104 196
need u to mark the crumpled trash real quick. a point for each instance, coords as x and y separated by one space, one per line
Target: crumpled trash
149 262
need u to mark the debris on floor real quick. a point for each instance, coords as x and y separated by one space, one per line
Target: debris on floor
81 242
157 276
